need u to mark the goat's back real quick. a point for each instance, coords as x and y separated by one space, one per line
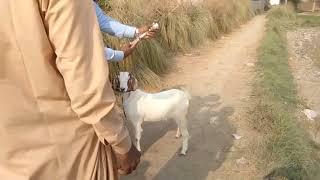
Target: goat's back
156 106
167 104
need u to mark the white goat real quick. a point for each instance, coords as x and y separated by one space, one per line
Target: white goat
140 106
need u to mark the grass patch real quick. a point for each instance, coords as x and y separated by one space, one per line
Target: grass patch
308 20
288 150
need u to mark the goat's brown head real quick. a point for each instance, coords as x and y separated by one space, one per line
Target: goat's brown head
125 82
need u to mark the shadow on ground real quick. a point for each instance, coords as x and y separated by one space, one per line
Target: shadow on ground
208 144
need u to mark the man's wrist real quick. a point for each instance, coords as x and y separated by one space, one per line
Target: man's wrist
136 32
124 146
113 55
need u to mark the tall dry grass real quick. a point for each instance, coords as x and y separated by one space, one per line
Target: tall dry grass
184 24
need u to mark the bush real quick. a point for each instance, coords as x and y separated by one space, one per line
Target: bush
183 25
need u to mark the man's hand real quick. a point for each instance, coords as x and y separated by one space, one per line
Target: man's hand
150 34
128 49
127 163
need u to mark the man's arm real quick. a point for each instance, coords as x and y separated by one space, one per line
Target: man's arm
76 38
116 56
113 27
113 55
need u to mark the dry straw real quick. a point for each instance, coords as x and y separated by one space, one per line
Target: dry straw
183 25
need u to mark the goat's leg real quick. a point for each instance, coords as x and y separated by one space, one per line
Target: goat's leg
178 121
185 135
138 135
178 133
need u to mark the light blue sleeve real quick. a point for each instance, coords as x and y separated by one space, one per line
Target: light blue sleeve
113 27
113 55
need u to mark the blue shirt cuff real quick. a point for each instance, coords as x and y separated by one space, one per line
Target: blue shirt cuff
118 55
114 55
130 32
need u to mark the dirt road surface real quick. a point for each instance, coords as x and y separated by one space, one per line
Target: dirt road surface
219 77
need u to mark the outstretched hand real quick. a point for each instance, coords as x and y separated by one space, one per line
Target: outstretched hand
128 49
150 33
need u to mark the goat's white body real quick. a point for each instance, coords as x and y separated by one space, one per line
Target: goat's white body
140 106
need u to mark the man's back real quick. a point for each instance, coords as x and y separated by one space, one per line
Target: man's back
41 64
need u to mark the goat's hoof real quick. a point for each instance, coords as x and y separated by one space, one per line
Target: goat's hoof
182 154
177 137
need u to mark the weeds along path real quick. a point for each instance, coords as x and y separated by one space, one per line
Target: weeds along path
219 78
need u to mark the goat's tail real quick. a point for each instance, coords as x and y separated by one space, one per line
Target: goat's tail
188 95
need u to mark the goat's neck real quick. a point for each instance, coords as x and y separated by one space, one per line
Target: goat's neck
126 95
132 94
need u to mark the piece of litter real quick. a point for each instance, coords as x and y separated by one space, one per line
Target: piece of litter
193 54
236 136
250 64
242 161
310 114
232 149
204 109
213 120
245 99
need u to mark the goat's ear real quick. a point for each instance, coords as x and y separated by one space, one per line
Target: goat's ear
132 83
135 86
131 75
115 83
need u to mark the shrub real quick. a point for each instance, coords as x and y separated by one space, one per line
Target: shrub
183 25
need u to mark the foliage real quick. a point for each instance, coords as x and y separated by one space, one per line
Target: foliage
183 25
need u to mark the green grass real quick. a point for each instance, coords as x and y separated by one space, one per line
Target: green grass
287 148
308 21
183 25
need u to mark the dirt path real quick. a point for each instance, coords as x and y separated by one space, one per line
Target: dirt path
219 79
